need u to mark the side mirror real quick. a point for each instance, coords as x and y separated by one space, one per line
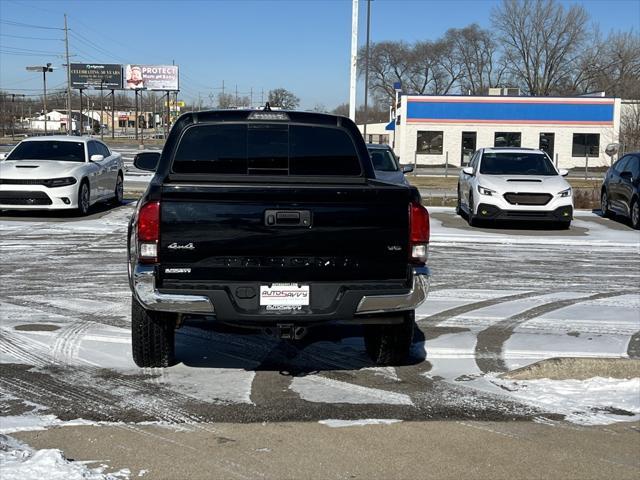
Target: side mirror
96 158
626 176
3 156
407 168
563 172
147 161
467 170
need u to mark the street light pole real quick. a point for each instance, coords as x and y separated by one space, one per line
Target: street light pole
366 71
44 69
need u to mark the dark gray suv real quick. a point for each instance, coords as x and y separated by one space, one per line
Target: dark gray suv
620 189
386 165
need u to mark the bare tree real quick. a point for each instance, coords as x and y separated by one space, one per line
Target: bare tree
424 73
542 41
283 98
477 52
389 62
225 100
613 66
630 126
377 112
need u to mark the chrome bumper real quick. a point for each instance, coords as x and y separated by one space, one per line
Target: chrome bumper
144 287
397 303
145 291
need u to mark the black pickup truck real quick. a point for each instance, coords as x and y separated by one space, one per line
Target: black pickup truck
273 220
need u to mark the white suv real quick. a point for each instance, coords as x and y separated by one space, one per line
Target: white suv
514 184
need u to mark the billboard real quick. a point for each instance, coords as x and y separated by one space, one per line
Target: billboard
92 75
151 77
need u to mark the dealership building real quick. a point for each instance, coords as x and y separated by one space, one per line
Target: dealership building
434 130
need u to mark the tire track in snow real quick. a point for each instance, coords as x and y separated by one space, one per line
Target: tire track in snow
436 318
31 353
67 344
490 341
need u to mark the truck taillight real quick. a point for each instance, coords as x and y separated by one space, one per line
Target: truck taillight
418 233
149 232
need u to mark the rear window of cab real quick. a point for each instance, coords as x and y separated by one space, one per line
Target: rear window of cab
266 149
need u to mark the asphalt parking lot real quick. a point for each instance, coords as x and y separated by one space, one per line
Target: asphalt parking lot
502 297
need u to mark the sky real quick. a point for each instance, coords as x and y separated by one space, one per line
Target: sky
301 45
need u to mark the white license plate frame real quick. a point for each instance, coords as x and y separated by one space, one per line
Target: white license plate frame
281 295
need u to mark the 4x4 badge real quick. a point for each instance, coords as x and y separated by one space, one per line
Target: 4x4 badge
186 246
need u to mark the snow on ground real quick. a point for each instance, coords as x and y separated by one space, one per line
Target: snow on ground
333 423
30 422
596 401
19 461
65 312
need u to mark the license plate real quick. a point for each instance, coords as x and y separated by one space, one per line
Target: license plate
284 295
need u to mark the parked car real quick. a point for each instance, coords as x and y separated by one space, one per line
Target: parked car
59 173
620 193
514 184
274 220
386 165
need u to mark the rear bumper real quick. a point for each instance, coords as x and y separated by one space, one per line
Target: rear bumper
354 301
396 303
491 212
144 288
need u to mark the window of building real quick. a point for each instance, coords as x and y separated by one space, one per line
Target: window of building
507 139
586 144
429 142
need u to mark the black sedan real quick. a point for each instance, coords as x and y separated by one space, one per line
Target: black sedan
620 192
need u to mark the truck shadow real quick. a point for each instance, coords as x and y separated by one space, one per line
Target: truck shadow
325 348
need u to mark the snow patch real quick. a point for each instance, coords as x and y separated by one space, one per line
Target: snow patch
26 423
596 401
18 461
320 389
358 423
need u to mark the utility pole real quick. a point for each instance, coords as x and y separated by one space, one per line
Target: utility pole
66 47
113 110
354 60
13 115
366 71
101 106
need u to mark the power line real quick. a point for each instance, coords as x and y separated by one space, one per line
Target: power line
22 54
27 25
28 50
27 38
97 47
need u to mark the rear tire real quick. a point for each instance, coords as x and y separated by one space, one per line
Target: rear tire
390 345
152 336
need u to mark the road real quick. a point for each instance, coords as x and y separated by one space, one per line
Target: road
501 298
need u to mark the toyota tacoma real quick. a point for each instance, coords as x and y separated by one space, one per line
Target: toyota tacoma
274 220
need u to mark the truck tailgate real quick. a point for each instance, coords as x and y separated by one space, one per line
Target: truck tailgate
283 233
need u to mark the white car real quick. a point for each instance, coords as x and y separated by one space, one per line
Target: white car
514 184
60 172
